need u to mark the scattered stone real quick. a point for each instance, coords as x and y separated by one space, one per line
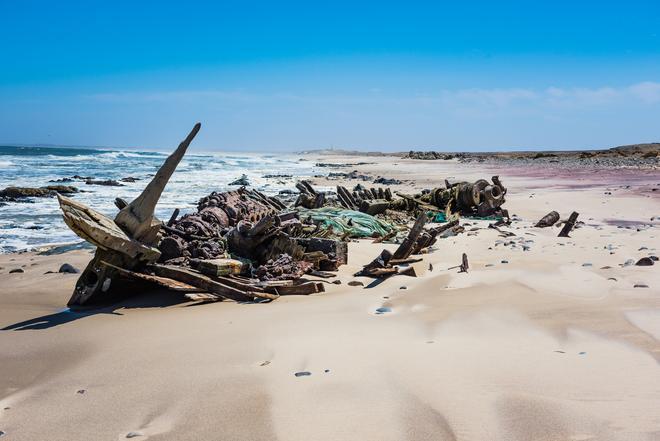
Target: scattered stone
81 391
386 181
355 283
326 371
504 261
430 267
68 268
612 278
336 282
16 270
640 285
133 434
303 374
403 287
587 264
645 261
629 262
129 179
265 363
383 310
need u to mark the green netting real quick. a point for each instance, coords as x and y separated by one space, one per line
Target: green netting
342 221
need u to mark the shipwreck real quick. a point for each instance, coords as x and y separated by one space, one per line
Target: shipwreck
246 246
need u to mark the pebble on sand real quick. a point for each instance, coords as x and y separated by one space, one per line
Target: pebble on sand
355 283
645 261
303 374
68 268
640 285
16 270
383 310
133 434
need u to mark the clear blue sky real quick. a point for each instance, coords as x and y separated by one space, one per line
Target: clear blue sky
370 75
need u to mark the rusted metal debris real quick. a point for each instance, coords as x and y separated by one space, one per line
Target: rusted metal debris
479 198
568 226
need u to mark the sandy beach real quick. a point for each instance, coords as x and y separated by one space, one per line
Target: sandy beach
545 338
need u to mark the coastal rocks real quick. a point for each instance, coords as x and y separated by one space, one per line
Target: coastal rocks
129 179
15 194
350 175
428 155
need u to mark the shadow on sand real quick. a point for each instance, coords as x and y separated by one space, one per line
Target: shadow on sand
150 299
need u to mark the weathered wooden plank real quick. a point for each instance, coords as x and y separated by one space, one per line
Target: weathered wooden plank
102 231
171 284
208 284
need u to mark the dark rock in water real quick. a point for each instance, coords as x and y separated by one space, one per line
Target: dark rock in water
17 193
64 189
242 181
67 268
62 180
129 179
386 181
303 374
82 178
277 176
16 270
645 261
106 182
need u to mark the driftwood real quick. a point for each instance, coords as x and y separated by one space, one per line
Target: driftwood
568 226
548 220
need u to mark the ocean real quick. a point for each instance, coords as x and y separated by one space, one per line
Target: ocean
38 221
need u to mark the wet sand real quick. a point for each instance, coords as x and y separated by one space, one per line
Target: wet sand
544 338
